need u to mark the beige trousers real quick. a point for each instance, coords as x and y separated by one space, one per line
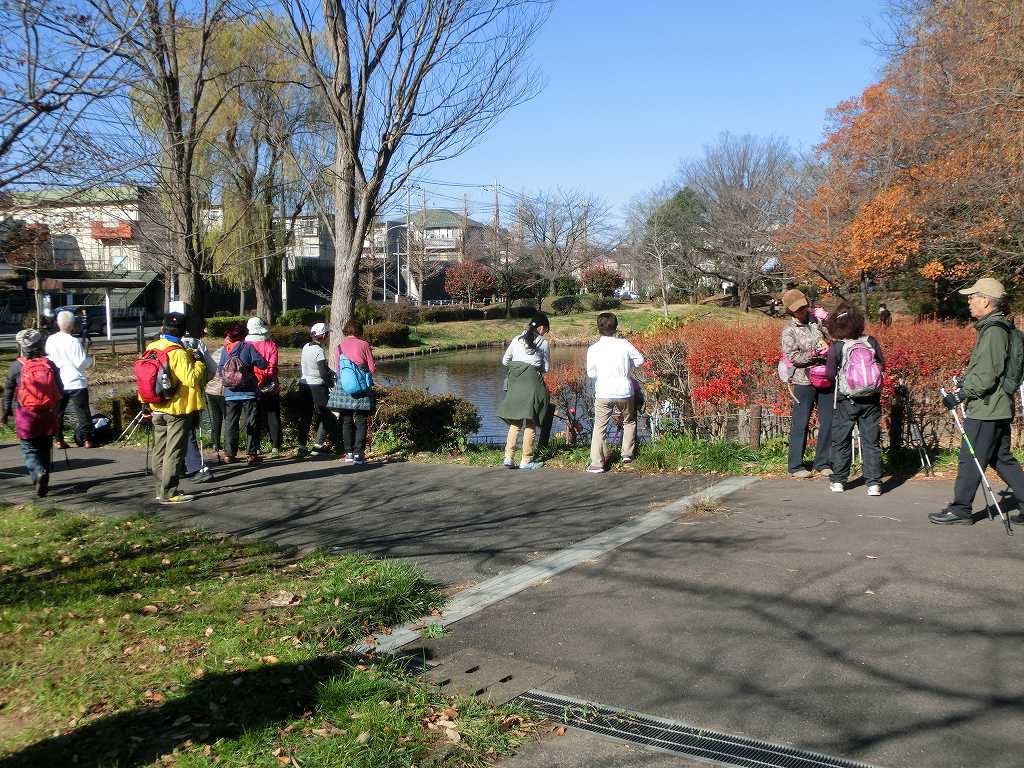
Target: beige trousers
604 410
529 430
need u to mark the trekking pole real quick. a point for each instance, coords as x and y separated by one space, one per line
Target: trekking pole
149 440
855 447
981 470
917 438
132 426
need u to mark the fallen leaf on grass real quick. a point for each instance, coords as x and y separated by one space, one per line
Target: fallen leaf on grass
165 561
363 737
452 735
208 631
154 696
150 610
283 599
268 659
510 722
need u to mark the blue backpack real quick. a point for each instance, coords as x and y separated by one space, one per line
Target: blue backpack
352 379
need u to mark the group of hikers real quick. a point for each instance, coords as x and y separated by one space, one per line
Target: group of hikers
828 362
177 378
830 365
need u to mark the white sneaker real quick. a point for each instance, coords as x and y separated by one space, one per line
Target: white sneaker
874 490
507 462
836 487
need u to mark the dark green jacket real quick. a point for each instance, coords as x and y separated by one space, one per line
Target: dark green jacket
986 400
527 397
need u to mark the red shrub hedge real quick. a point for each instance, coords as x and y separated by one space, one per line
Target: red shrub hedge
710 369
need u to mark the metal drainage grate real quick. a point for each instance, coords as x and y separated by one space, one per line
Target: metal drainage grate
679 739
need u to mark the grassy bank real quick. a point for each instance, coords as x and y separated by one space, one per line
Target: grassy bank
671 453
128 644
687 454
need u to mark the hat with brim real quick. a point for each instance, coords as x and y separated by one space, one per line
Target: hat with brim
793 299
988 286
256 326
318 330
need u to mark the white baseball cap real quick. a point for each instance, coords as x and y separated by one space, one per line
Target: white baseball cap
318 329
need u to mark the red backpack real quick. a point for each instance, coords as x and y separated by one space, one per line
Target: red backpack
153 378
37 385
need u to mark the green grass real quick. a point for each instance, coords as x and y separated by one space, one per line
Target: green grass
125 643
669 453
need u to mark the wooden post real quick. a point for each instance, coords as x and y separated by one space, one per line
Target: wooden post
755 427
115 415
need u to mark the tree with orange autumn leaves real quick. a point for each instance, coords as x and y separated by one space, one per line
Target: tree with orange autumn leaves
924 171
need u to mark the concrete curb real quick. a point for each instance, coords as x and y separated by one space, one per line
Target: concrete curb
496 589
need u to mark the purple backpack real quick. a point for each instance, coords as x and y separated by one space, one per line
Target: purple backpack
860 375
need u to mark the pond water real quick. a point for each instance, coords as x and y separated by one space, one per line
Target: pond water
475 375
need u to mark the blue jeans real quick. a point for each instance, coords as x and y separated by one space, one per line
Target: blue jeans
38 455
807 397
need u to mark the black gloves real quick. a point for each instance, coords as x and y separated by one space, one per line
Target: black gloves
952 399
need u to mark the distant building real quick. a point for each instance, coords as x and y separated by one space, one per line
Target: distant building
103 233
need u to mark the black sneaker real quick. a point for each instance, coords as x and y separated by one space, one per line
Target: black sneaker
42 483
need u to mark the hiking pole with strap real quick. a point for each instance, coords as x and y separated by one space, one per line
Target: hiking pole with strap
133 425
984 480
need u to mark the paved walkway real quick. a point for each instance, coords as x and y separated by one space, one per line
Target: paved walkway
839 623
842 624
460 524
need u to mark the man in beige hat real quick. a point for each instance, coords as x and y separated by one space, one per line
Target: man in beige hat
989 407
803 345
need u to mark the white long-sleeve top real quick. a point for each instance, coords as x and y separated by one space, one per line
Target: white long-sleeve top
518 352
609 361
68 354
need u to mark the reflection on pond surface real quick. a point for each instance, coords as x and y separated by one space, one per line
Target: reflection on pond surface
475 375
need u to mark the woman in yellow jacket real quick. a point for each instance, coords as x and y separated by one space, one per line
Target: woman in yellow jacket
174 420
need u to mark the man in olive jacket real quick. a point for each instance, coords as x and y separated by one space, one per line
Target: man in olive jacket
989 408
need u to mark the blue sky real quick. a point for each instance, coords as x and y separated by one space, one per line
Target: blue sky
633 88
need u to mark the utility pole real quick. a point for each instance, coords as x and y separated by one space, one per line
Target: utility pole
465 227
408 235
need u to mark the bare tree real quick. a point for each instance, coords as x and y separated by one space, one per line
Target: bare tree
743 185
170 55
405 84
56 61
559 229
665 232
